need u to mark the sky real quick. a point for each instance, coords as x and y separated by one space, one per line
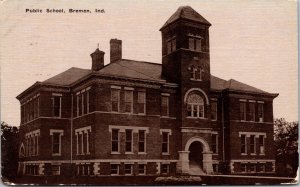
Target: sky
254 42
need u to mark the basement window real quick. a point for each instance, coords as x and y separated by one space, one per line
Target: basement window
165 169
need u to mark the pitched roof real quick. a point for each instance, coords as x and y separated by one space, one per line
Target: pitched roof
142 71
239 86
133 69
68 77
186 12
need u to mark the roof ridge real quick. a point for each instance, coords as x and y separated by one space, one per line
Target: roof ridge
153 63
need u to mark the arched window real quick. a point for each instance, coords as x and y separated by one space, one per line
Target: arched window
22 151
195 106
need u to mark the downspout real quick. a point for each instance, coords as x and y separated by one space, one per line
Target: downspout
223 128
71 135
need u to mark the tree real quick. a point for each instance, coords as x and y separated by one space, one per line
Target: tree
9 151
286 141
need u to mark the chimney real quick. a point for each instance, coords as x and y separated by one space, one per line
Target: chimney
97 60
115 50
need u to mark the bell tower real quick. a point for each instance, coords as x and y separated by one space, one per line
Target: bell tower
186 61
185 54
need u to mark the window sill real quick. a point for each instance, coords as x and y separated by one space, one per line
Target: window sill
128 174
115 153
244 154
114 174
252 154
198 80
189 117
114 112
129 153
262 154
165 153
142 153
56 154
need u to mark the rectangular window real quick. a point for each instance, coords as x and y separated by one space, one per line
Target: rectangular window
165 105
80 143
252 144
141 102
251 111
165 169
86 169
260 168
114 169
252 168
243 168
261 142
195 110
55 169
56 106
195 44
142 141
198 44
128 101
115 100
213 110
56 143
128 169
37 144
142 169
173 44
165 142
84 103
191 44
169 47
27 112
243 111
215 168
214 143
128 140
243 144
260 112
79 106
115 140
22 114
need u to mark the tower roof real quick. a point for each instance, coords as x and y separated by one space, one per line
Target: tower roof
188 13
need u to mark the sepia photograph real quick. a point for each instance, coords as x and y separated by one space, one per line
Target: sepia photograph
179 92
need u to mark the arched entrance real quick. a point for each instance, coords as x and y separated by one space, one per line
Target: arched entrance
195 158
196 153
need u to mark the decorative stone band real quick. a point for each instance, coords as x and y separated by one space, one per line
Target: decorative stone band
256 134
166 130
195 130
140 161
133 128
33 133
83 129
262 161
61 132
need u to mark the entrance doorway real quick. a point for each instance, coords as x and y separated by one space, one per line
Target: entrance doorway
196 158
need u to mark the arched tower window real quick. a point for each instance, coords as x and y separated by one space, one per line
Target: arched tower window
195 106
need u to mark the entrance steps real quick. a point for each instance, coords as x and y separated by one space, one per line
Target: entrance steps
195 169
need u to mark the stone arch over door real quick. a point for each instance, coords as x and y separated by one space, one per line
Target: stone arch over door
198 139
183 163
